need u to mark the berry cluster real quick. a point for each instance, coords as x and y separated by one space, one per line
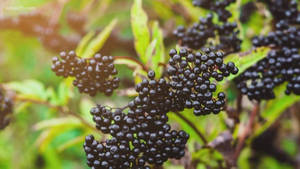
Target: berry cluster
284 10
144 127
205 32
190 79
217 6
35 24
6 108
141 135
282 62
92 75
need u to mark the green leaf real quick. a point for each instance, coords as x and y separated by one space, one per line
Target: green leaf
85 106
73 142
276 107
57 122
245 60
29 88
150 52
84 43
128 62
96 44
159 53
140 30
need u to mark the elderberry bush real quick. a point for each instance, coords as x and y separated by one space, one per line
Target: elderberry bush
191 79
91 75
282 62
6 108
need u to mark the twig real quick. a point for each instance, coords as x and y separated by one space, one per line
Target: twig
58 108
192 126
247 132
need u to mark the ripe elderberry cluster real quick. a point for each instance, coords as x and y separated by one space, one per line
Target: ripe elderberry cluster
6 108
141 136
91 75
191 77
205 32
284 10
218 6
282 62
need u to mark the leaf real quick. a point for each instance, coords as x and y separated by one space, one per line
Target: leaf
159 55
96 44
140 30
47 136
245 60
64 92
85 106
128 62
57 122
150 52
73 142
276 107
84 43
29 88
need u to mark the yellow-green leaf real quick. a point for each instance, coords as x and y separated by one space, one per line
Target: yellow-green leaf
96 44
140 29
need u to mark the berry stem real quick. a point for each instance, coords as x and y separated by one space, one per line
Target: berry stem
58 108
247 132
187 121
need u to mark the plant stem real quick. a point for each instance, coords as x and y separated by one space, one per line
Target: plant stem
247 132
187 121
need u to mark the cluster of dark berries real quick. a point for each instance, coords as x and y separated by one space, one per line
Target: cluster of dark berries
284 10
35 24
140 136
205 32
282 64
92 75
6 108
191 77
218 6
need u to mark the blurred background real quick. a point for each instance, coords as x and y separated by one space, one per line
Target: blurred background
51 118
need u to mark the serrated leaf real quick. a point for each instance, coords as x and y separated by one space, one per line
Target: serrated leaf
245 60
140 29
84 43
96 44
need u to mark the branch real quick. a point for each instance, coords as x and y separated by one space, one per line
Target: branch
58 108
192 126
246 133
